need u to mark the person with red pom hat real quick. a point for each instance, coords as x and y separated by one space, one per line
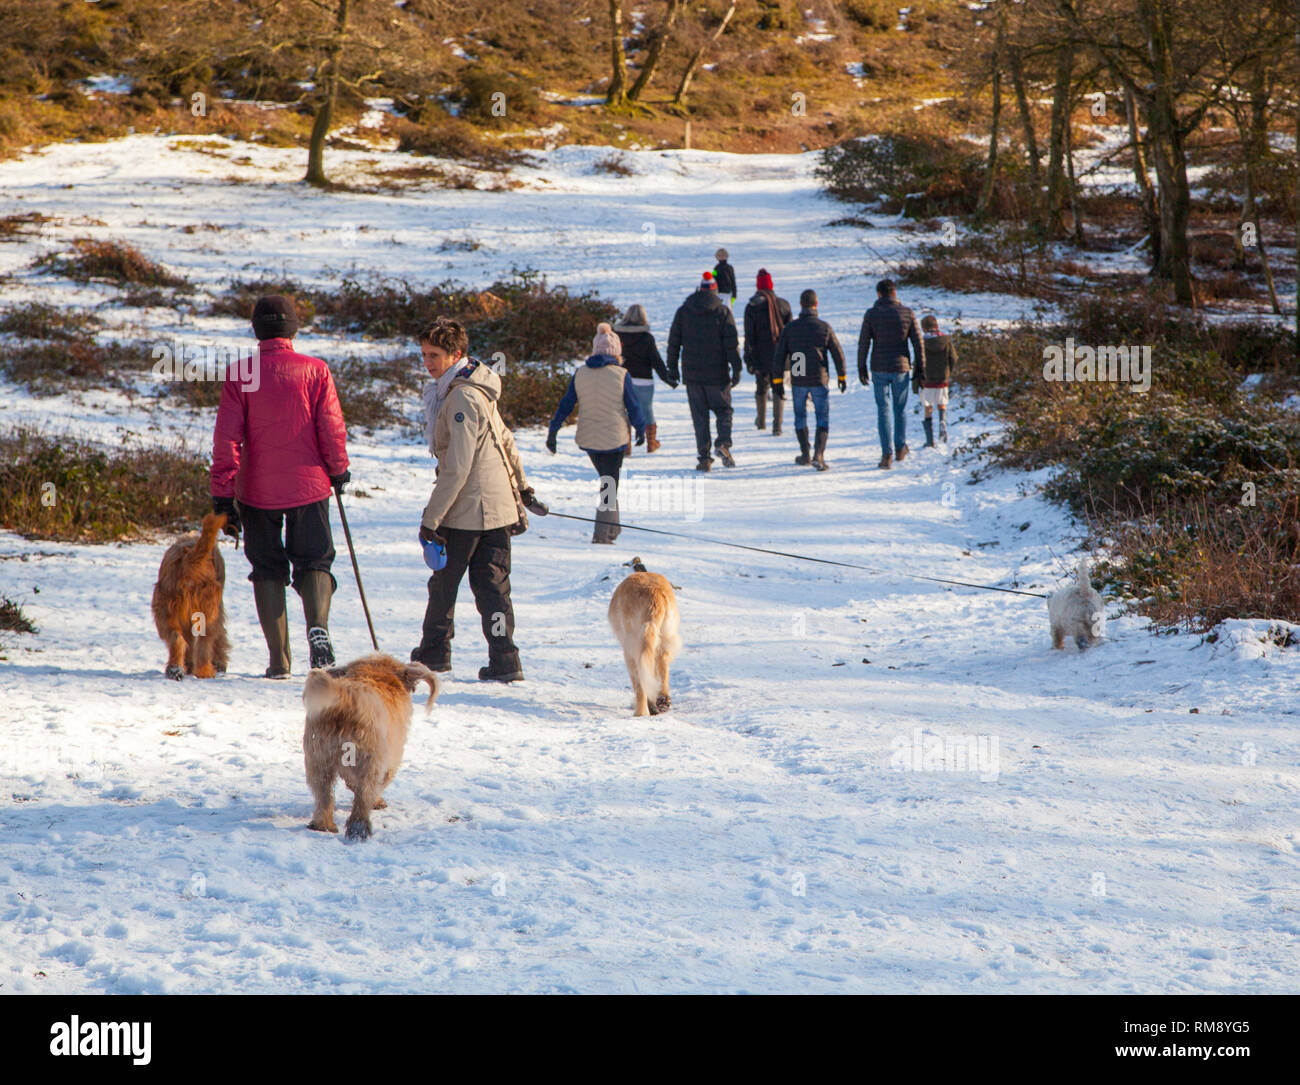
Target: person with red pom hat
703 337
765 316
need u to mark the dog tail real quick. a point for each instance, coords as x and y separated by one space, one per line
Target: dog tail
319 691
414 674
201 550
1081 574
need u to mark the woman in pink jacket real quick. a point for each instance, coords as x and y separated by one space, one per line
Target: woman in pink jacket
278 447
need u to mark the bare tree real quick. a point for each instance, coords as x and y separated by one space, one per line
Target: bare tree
329 96
991 166
617 94
689 74
654 50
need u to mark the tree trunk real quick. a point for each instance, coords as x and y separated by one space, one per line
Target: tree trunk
618 59
1054 217
1026 122
991 166
1073 186
325 111
654 51
689 74
1150 214
1167 145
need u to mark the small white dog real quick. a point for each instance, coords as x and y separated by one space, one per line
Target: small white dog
1077 611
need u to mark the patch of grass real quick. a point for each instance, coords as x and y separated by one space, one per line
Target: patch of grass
613 164
12 618
16 227
36 320
109 261
65 488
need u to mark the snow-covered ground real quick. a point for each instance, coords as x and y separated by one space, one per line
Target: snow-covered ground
1128 824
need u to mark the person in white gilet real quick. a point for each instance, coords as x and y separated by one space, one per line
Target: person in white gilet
608 412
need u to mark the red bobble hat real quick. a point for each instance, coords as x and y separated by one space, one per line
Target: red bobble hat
764 280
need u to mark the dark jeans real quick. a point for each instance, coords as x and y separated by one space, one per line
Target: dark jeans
704 398
486 554
608 465
307 544
893 386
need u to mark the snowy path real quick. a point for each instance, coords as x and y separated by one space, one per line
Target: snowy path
539 838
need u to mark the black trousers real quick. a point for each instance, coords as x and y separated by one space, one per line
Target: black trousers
704 398
486 555
307 542
608 465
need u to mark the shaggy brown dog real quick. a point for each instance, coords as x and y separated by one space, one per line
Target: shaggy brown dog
357 719
643 614
187 607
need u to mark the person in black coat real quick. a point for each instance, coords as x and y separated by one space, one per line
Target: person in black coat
726 276
765 316
809 344
642 361
704 337
888 329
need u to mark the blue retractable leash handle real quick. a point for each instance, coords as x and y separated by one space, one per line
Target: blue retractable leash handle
435 554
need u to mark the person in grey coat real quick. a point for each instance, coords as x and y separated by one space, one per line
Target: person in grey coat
888 329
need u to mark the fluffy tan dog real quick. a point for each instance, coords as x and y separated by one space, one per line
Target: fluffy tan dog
1077 611
357 720
643 614
187 604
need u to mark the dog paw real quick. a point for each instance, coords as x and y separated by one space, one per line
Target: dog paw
381 804
174 672
207 671
323 826
664 703
358 830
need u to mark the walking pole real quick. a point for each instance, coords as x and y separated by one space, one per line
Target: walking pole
338 498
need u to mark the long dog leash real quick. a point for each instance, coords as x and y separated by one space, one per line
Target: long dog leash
805 557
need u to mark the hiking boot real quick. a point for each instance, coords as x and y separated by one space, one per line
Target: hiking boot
803 459
487 674
607 527
778 409
322 651
900 454
886 462
819 449
727 458
651 439
928 425
705 464
268 595
441 666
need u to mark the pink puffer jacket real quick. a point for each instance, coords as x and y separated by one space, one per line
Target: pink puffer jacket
279 438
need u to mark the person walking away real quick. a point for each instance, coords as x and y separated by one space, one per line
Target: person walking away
278 447
642 360
932 383
888 329
765 316
703 337
475 506
608 411
808 344
726 276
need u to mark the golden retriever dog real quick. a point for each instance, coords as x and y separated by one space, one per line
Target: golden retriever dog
187 604
1077 611
357 720
643 614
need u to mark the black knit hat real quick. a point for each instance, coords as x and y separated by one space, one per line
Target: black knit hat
274 317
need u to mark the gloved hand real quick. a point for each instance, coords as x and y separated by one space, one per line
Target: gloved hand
844 385
530 502
226 506
916 388
428 534
339 481
550 444
778 388
640 436
735 380
673 384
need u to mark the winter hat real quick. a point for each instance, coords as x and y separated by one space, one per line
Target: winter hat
721 254
708 282
606 342
764 280
634 320
274 317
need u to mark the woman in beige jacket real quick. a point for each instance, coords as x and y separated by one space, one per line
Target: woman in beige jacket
473 509
608 411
